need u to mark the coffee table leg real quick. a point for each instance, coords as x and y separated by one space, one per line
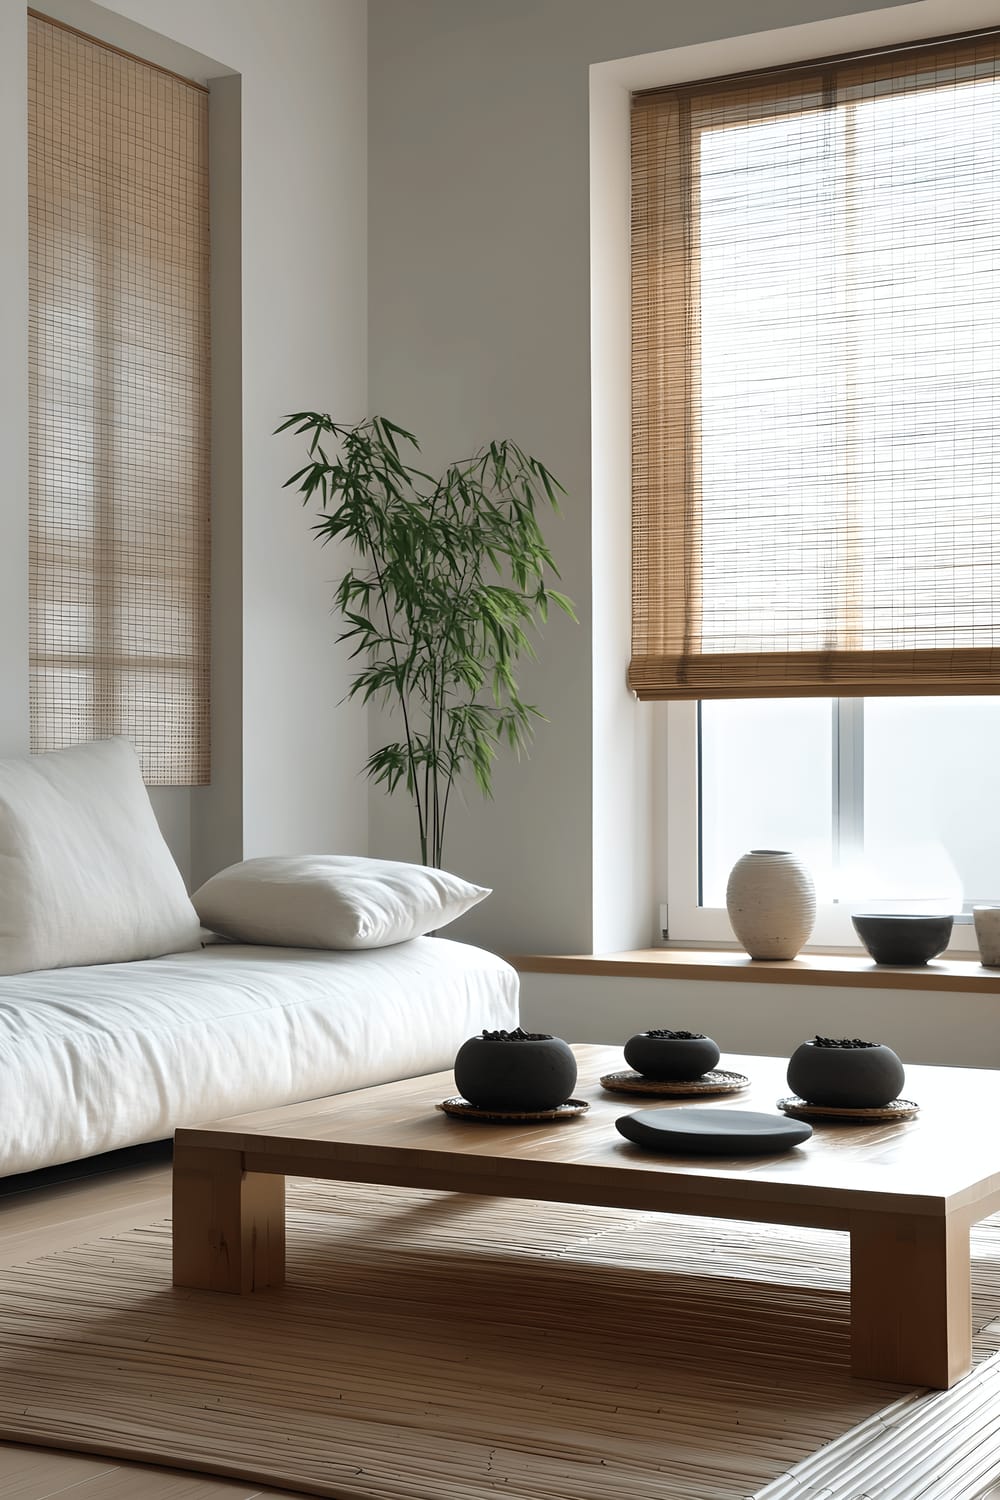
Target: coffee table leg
911 1317
228 1224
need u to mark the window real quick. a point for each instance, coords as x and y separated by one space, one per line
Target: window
119 583
816 486
891 803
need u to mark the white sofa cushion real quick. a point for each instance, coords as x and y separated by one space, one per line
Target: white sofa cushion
85 876
98 1058
339 901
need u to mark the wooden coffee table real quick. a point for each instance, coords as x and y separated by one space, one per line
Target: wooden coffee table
908 1193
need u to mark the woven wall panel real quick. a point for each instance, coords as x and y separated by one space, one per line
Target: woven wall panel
119 393
816 379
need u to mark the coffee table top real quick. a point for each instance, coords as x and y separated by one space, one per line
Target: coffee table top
947 1160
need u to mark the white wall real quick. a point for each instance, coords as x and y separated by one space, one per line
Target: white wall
953 1030
480 326
301 66
479 323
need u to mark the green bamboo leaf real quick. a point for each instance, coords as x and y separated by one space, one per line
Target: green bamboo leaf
566 605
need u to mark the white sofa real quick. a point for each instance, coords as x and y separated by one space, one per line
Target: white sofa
111 1055
119 1023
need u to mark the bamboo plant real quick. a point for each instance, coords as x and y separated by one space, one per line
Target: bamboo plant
452 576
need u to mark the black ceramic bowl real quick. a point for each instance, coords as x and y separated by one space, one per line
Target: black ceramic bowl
515 1070
846 1076
898 939
677 1058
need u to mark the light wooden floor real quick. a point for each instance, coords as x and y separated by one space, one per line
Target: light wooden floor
36 1222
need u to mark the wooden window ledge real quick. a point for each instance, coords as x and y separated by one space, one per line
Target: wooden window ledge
843 969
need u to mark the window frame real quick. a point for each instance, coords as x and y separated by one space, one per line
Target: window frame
691 924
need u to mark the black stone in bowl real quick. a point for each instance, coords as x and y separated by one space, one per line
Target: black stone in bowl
902 939
679 1056
846 1073
516 1070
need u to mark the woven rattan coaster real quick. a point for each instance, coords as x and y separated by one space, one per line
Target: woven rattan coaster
463 1110
717 1081
801 1109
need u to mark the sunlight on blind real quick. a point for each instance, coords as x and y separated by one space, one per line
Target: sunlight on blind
816 342
119 480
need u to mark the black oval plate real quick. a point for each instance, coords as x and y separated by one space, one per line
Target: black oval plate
711 1131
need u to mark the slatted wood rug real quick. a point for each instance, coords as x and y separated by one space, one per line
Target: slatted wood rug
439 1347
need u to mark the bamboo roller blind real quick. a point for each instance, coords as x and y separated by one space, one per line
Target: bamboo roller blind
816 379
119 388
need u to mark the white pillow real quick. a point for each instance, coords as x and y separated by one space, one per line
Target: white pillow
331 901
85 876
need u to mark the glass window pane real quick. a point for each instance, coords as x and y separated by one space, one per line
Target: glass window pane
932 798
766 779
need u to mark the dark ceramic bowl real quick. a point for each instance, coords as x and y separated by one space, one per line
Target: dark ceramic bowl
898 939
846 1078
679 1059
532 1073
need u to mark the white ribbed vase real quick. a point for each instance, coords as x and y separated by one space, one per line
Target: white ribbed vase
771 902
